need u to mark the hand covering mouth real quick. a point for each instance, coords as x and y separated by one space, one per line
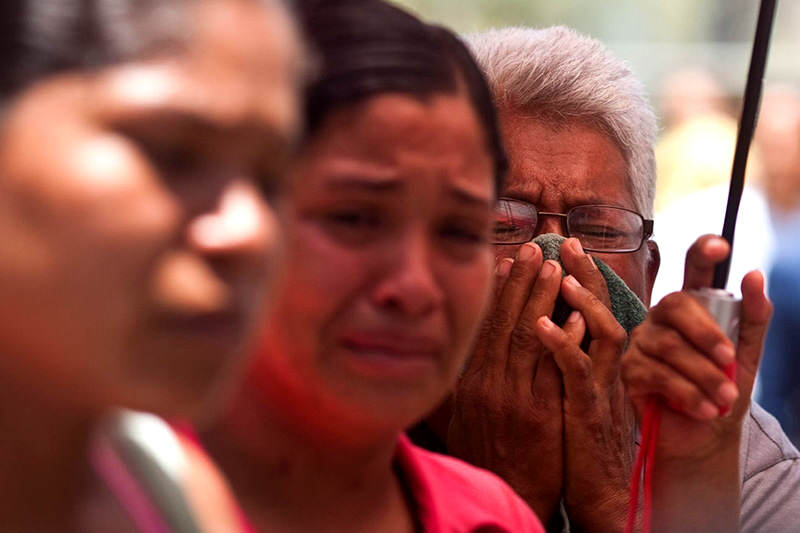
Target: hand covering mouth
627 308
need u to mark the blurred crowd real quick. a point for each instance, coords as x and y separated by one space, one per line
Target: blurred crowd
694 160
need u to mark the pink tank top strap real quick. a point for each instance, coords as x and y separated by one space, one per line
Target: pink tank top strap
128 491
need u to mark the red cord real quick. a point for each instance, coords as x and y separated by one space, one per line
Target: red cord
649 465
646 461
643 468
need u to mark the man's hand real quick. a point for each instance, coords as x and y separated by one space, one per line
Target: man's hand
507 406
678 356
598 421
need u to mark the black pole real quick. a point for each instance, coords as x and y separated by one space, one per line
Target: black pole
747 124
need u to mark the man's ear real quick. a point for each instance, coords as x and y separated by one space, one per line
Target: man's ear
651 268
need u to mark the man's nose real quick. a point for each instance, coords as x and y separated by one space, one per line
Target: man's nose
551 224
240 224
409 285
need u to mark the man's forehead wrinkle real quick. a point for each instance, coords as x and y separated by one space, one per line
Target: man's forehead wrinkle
557 191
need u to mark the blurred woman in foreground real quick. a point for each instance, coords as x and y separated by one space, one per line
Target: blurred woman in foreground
134 241
389 270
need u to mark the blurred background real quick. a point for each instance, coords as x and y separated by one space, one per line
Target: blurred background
693 58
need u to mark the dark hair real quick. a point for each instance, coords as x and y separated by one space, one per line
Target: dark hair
368 47
41 38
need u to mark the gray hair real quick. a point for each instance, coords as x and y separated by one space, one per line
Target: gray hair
561 75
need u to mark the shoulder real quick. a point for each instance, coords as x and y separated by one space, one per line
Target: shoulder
764 444
452 495
771 475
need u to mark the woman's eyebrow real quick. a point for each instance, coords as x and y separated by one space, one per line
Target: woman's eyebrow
198 122
465 196
353 183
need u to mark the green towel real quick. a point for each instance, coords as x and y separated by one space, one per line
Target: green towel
626 306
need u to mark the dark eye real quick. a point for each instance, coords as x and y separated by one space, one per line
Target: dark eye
353 219
174 160
600 231
171 157
462 234
272 185
354 226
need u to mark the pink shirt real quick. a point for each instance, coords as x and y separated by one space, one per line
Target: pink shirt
454 497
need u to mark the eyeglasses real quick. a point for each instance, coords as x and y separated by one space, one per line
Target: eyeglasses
599 228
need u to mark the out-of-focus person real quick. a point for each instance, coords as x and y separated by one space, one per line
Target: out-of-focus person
694 158
778 135
579 133
137 140
389 270
695 150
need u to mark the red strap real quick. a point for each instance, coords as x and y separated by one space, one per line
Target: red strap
643 468
646 460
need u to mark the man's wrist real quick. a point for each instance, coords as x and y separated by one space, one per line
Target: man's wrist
607 513
703 463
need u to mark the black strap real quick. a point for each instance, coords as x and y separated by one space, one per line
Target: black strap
752 100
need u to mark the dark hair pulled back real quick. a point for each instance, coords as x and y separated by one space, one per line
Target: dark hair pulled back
367 47
41 38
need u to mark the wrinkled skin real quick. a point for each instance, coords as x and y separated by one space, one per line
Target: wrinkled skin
681 359
555 427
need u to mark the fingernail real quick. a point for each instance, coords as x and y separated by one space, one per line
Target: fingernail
592 260
574 316
724 354
730 371
571 281
727 393
526 252
718 244
576 246
504 267
548 269
546 323
708 410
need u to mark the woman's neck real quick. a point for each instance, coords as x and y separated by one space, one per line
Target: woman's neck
285 482
44 471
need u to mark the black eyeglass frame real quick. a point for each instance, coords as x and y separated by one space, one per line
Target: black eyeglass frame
647 225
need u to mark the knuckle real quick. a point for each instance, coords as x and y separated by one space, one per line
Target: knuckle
659 382
499 322
694 398
671 303
523 337
616 334
640 332
628 369
667 343
583 368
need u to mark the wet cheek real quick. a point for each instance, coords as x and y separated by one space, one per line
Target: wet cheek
468 296
322 281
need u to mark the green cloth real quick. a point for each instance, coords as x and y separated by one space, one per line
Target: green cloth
626 306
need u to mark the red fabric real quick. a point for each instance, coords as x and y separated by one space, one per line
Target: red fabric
452 496
643 468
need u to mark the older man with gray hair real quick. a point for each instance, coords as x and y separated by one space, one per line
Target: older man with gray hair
579 133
